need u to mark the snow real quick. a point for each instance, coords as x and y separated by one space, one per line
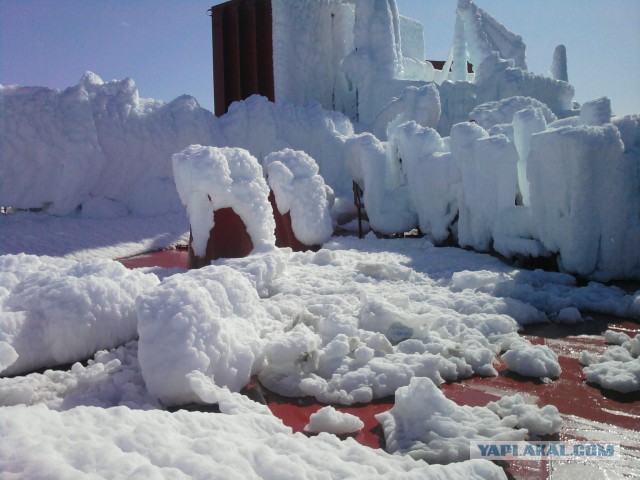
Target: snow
426 425
125 443
531 175
300 190
47 301
63 148
532 360
330 420
538 421
207 321
210 178
618 368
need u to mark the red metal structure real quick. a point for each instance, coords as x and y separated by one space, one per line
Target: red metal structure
242 51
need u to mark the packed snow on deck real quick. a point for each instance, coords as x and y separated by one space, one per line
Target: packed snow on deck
533 175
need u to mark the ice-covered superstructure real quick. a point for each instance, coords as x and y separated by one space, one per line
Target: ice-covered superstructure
500 159
357 56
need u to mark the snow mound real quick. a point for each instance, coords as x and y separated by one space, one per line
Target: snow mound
206 320
532 360
615 375
618 368
56 311
426 425
330 420
93 140
538 421
111 378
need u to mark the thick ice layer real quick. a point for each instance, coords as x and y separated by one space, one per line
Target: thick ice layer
418 104
526 122
210 178
498 112
310 39
484 35
56 311
276 126
301 191
386 196
558 68
432 176
584 194
124 443
426 425
207 320
93 140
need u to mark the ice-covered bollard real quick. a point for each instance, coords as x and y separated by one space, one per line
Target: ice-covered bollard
227 201
300 200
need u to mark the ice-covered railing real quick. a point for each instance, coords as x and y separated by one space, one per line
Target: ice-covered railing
528 188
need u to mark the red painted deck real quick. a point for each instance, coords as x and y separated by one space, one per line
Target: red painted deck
573 397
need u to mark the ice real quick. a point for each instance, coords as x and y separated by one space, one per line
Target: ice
210 178
526 122
207 320
301 191
490 114
596 112
418 104
622 376
330 420
484 35
558 68
563 168
618 368
532 360
426 425
432 176
538 421
46 302
65 147
310 39
276 126
124 443
360 319
386 196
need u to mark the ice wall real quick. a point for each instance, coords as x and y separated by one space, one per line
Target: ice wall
99 146
570 187
95 140
481 35
584 196
310 39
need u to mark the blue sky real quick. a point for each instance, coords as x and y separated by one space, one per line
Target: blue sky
165 45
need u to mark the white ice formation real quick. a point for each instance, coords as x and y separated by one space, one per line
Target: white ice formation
536 176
